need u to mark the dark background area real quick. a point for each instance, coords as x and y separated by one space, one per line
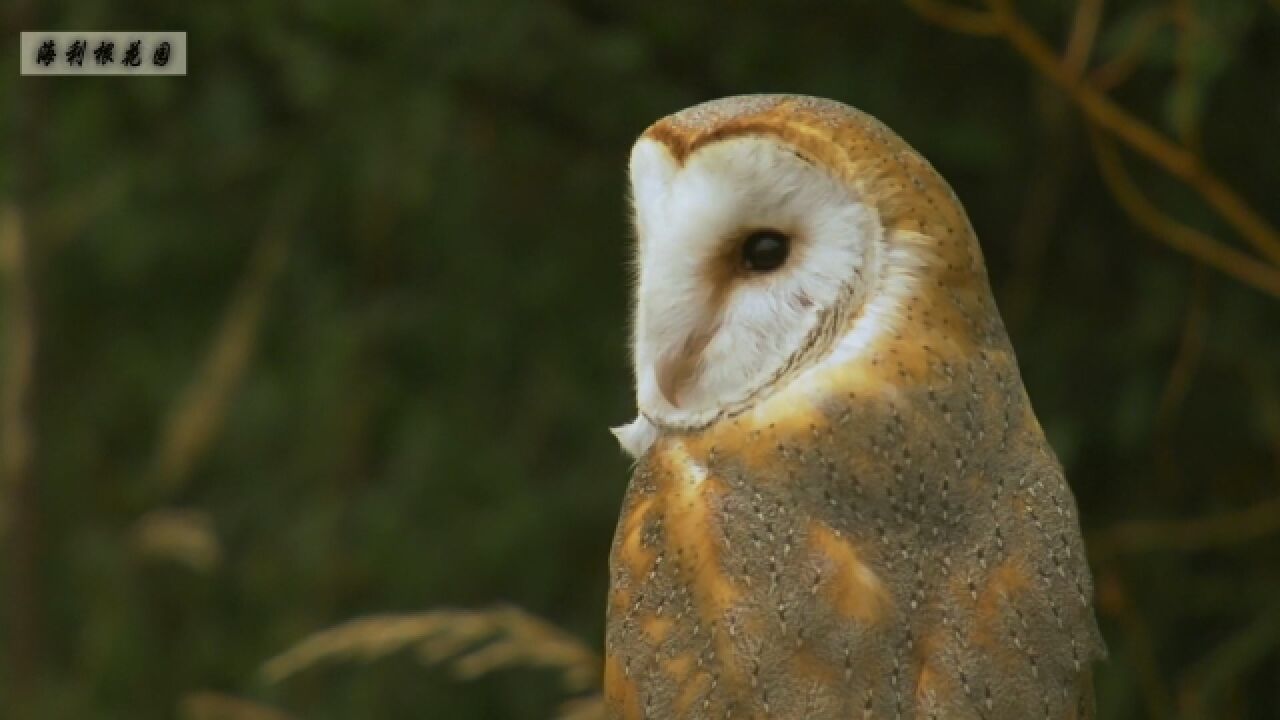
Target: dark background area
335 325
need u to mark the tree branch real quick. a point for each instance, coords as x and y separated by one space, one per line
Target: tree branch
1229 661
1181 373
18 512
1103 112
1115 600
1183 238
1084 32
956 18
1119 68
1218 530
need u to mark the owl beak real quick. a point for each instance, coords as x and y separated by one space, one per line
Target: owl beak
676 369
671 374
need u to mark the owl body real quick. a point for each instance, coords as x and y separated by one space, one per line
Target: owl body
847 509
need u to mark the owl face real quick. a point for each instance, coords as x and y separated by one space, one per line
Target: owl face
746 249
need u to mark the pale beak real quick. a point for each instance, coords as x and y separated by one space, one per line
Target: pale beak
677 368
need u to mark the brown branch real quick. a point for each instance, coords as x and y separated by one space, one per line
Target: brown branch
1189 351
1118 69
20 347
200 409
1182 238
20 508
1084 32
956 18
1188 126
19 364
1054 162
1104 113
1184 367
18 511
1263 387
1115 601
1223 529
1229 661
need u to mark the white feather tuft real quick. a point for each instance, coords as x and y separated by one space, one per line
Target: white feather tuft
637 437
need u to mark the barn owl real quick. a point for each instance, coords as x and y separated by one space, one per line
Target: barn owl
843 505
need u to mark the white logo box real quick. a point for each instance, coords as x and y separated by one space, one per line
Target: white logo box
103 53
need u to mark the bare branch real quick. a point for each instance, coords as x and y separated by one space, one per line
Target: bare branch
1118 69
1115 601
1228 662
956 18
1188 358
1104 113
1182 238
1084 32
1188 24
19 365
18 509
1183 370
1219 530
1055 160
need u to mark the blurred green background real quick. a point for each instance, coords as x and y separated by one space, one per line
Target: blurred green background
335 325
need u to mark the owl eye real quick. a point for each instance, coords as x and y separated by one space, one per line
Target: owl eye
765 250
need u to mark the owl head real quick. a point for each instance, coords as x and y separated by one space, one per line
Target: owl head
777 236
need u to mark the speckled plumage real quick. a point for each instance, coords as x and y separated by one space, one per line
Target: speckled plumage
882 530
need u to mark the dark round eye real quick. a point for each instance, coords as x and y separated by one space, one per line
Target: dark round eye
765 250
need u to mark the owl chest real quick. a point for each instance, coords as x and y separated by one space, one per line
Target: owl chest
819 585
784 550
731 591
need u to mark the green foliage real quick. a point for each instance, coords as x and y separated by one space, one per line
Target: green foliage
421 417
